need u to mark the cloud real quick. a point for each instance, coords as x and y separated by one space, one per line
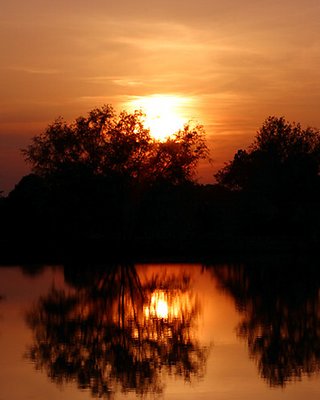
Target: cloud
35 70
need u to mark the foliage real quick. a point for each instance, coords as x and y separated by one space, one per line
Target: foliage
106 144
283 154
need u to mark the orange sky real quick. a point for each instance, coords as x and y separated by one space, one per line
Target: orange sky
239 61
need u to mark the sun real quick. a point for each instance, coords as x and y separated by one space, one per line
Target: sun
164 114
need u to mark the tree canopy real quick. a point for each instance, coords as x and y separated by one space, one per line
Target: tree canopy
105 143
282 154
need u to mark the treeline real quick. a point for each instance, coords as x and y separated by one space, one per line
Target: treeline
103 186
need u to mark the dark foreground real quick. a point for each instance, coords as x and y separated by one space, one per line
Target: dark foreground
50 223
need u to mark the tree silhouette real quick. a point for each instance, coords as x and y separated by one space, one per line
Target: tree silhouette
100 178
284 158
280 307
108 333
106 144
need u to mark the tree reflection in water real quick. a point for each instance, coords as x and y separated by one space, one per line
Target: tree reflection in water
115 333
280 306
1 299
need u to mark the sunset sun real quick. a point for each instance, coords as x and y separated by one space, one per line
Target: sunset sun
164 114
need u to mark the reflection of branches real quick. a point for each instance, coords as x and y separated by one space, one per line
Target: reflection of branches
102 337
281 317
1 298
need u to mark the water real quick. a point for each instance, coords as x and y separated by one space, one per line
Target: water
160 331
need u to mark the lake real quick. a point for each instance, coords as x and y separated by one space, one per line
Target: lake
171 331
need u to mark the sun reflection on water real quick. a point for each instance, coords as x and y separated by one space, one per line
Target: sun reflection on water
164 305
158 306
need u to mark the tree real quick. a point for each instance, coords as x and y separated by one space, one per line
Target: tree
283 155
106 144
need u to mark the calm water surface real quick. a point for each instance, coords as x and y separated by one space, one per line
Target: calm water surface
167 331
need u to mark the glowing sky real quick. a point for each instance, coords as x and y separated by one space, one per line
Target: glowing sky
239 61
